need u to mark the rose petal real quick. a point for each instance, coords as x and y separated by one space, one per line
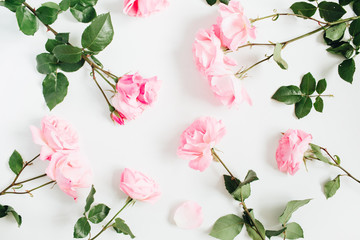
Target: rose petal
188 215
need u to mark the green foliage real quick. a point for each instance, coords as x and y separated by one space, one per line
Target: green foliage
277 57
316 150
308 84
48 13
342 48
356 7
331 187
345 2
319 104
12 5
98 213
293 231
27 22
62 37
227 227
51 44
274 233
303 8
55 87
82 228
321 86
71 67
347 69
67 53
336 32
291 207
121 227
5 210
46 63
211 2
242 192
331 11
303 107
231 184
64 5
90 199
16 162
288 94
253 233
83 13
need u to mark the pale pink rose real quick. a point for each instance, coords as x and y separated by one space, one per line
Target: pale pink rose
291 149
188 215
234 27
139 187
143 8
70 171
55 135
133 94
198 140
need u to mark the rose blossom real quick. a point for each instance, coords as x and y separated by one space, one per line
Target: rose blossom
291 149
234 26
143 8
188 215
138 186
198 140
55 135
70 171
133 94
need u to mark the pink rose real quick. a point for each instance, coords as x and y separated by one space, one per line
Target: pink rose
291 149
198 140
143 8
138 186
55 135
189 215
70 171
117 117
235 27
133 94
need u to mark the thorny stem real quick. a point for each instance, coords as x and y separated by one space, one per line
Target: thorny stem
31 190
17 176
112 85
217 158
31 179
276 15
241 73
101 90
338 165
112 219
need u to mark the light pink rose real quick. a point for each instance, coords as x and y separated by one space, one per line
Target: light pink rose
235 28
70 171
55 135
133 94
139 187
188 215
291 149
143 8
198 140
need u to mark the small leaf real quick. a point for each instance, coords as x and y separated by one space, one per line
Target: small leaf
288 94
331 187
345 2
121 227
319 104
47 15
331 11
337 159
291 207
336 32
71 67
89 2
303 107
82 228
55 87
321 86
27 22
354 28
82 13
227 227
317 152
253 234
356 7
90 199
211 2
67 53
51 44
230 183
12 5
46 63
274 233
293 231
16 216
242 192
277 56
98 213
62 37
16 162
250 177
308 84
356 40
303 8
51 5
344 48
3 210
64 5
98 34
347 69
97 61
225 1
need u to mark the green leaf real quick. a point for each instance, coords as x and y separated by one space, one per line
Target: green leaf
356 40
321 86
331 187
27 22
211 2
12 5
308 84
98 213
64 5
67 53
345 49
55 87
331 11
277 56
303 8
250 177
16 216
51 44
227 227
121 227
98 34
71 67
293 231
242 192
82 228
46 63
288 94
336 32
291 207
230 183
51 5
354 28
303 107
82 13
337 159
347 69
345 2
225 1
46 14
253 234
89 2
97 61
90 198
62 37
319 104
356 7
318 154
274 233
3 210
16 162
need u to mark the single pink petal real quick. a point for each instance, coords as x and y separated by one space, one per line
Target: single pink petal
37 135
188 215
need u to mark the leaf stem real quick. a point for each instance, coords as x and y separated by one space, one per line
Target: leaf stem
241 73
31 190
251 218
276 15
217 158
112 85
328 95
101 90
112 219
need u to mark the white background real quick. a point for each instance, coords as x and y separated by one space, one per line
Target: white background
161 45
